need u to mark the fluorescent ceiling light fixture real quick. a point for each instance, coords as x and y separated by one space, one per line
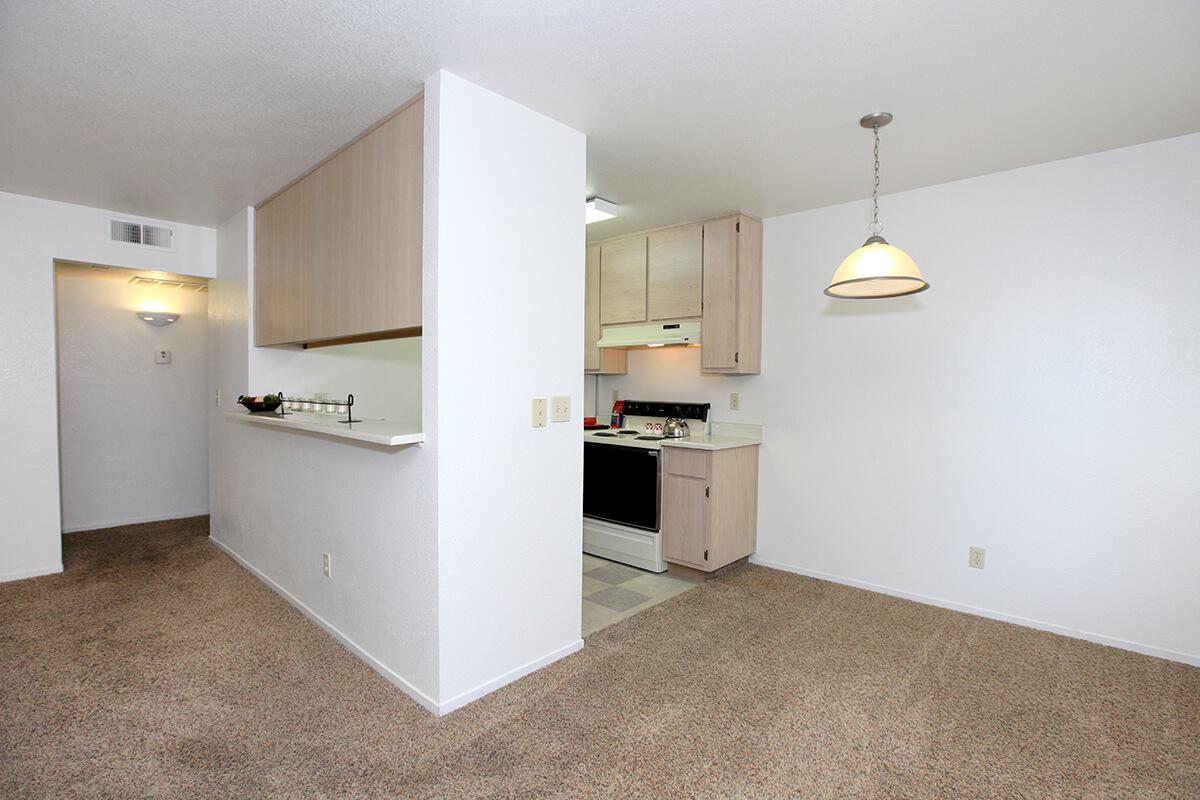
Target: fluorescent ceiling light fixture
877 269
598 209
157 318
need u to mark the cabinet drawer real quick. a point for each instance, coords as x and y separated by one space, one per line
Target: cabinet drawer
692 463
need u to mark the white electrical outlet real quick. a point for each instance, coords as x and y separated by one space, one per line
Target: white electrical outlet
539 412
560 408
735 401
327 564
162 356
976 557
217 398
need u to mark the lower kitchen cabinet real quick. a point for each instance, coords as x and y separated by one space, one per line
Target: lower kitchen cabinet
709 505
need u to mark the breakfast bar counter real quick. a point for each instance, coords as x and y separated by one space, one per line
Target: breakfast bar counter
385 432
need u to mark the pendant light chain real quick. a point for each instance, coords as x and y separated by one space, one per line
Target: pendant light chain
875 227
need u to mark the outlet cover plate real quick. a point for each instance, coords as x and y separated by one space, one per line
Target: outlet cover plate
560 408
975 559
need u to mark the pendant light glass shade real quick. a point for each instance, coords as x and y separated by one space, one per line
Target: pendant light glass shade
876 270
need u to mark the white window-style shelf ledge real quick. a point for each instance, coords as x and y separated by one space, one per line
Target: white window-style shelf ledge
375 431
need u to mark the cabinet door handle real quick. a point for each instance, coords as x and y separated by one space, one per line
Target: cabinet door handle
706 555
706 491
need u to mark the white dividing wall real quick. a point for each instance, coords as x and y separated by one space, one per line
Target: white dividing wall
508 298
281 499
1039 401
134 434
456 566
33 233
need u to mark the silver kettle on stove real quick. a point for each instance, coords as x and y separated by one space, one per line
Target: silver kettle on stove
675 428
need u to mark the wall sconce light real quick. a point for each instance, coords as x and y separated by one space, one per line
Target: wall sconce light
158 319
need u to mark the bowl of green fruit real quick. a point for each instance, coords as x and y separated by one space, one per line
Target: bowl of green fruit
261 404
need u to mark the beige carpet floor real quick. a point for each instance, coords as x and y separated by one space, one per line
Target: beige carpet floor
156 667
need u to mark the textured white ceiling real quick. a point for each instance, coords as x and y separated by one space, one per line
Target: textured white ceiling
186 110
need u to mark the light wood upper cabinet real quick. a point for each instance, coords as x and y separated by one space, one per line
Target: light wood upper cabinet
732 321
709 505
674 273
711 270
597 361
338 253
623 281
591 309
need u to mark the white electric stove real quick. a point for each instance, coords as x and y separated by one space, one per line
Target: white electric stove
622 482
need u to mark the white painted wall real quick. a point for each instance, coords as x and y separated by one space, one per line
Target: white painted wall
33 233
1039 401
509 306
281 499
456 566
133 433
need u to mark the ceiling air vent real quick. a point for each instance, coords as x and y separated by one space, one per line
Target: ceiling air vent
128 232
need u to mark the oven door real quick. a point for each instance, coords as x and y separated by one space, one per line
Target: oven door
621 484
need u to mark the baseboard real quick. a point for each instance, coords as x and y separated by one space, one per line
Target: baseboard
520 672
396 680
99 526
21 575
1096 638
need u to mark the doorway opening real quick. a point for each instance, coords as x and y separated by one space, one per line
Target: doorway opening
132 359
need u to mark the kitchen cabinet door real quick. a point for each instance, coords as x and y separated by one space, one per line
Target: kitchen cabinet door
282 257
591 309
597 361
623 281
720 325
732 320
675 272
685 520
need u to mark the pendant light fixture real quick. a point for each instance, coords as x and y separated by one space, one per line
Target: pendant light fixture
876 269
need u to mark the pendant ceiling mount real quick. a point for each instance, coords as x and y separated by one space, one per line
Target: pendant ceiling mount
877 269
879 118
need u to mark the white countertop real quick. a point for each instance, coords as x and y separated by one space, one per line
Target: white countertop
376 431
724 436
711 442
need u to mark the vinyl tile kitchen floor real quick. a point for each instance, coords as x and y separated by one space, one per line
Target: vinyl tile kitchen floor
613 592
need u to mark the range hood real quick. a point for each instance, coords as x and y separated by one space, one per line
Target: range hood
654 335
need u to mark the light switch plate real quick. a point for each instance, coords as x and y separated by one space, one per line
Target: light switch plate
539 412
162 356
560 408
